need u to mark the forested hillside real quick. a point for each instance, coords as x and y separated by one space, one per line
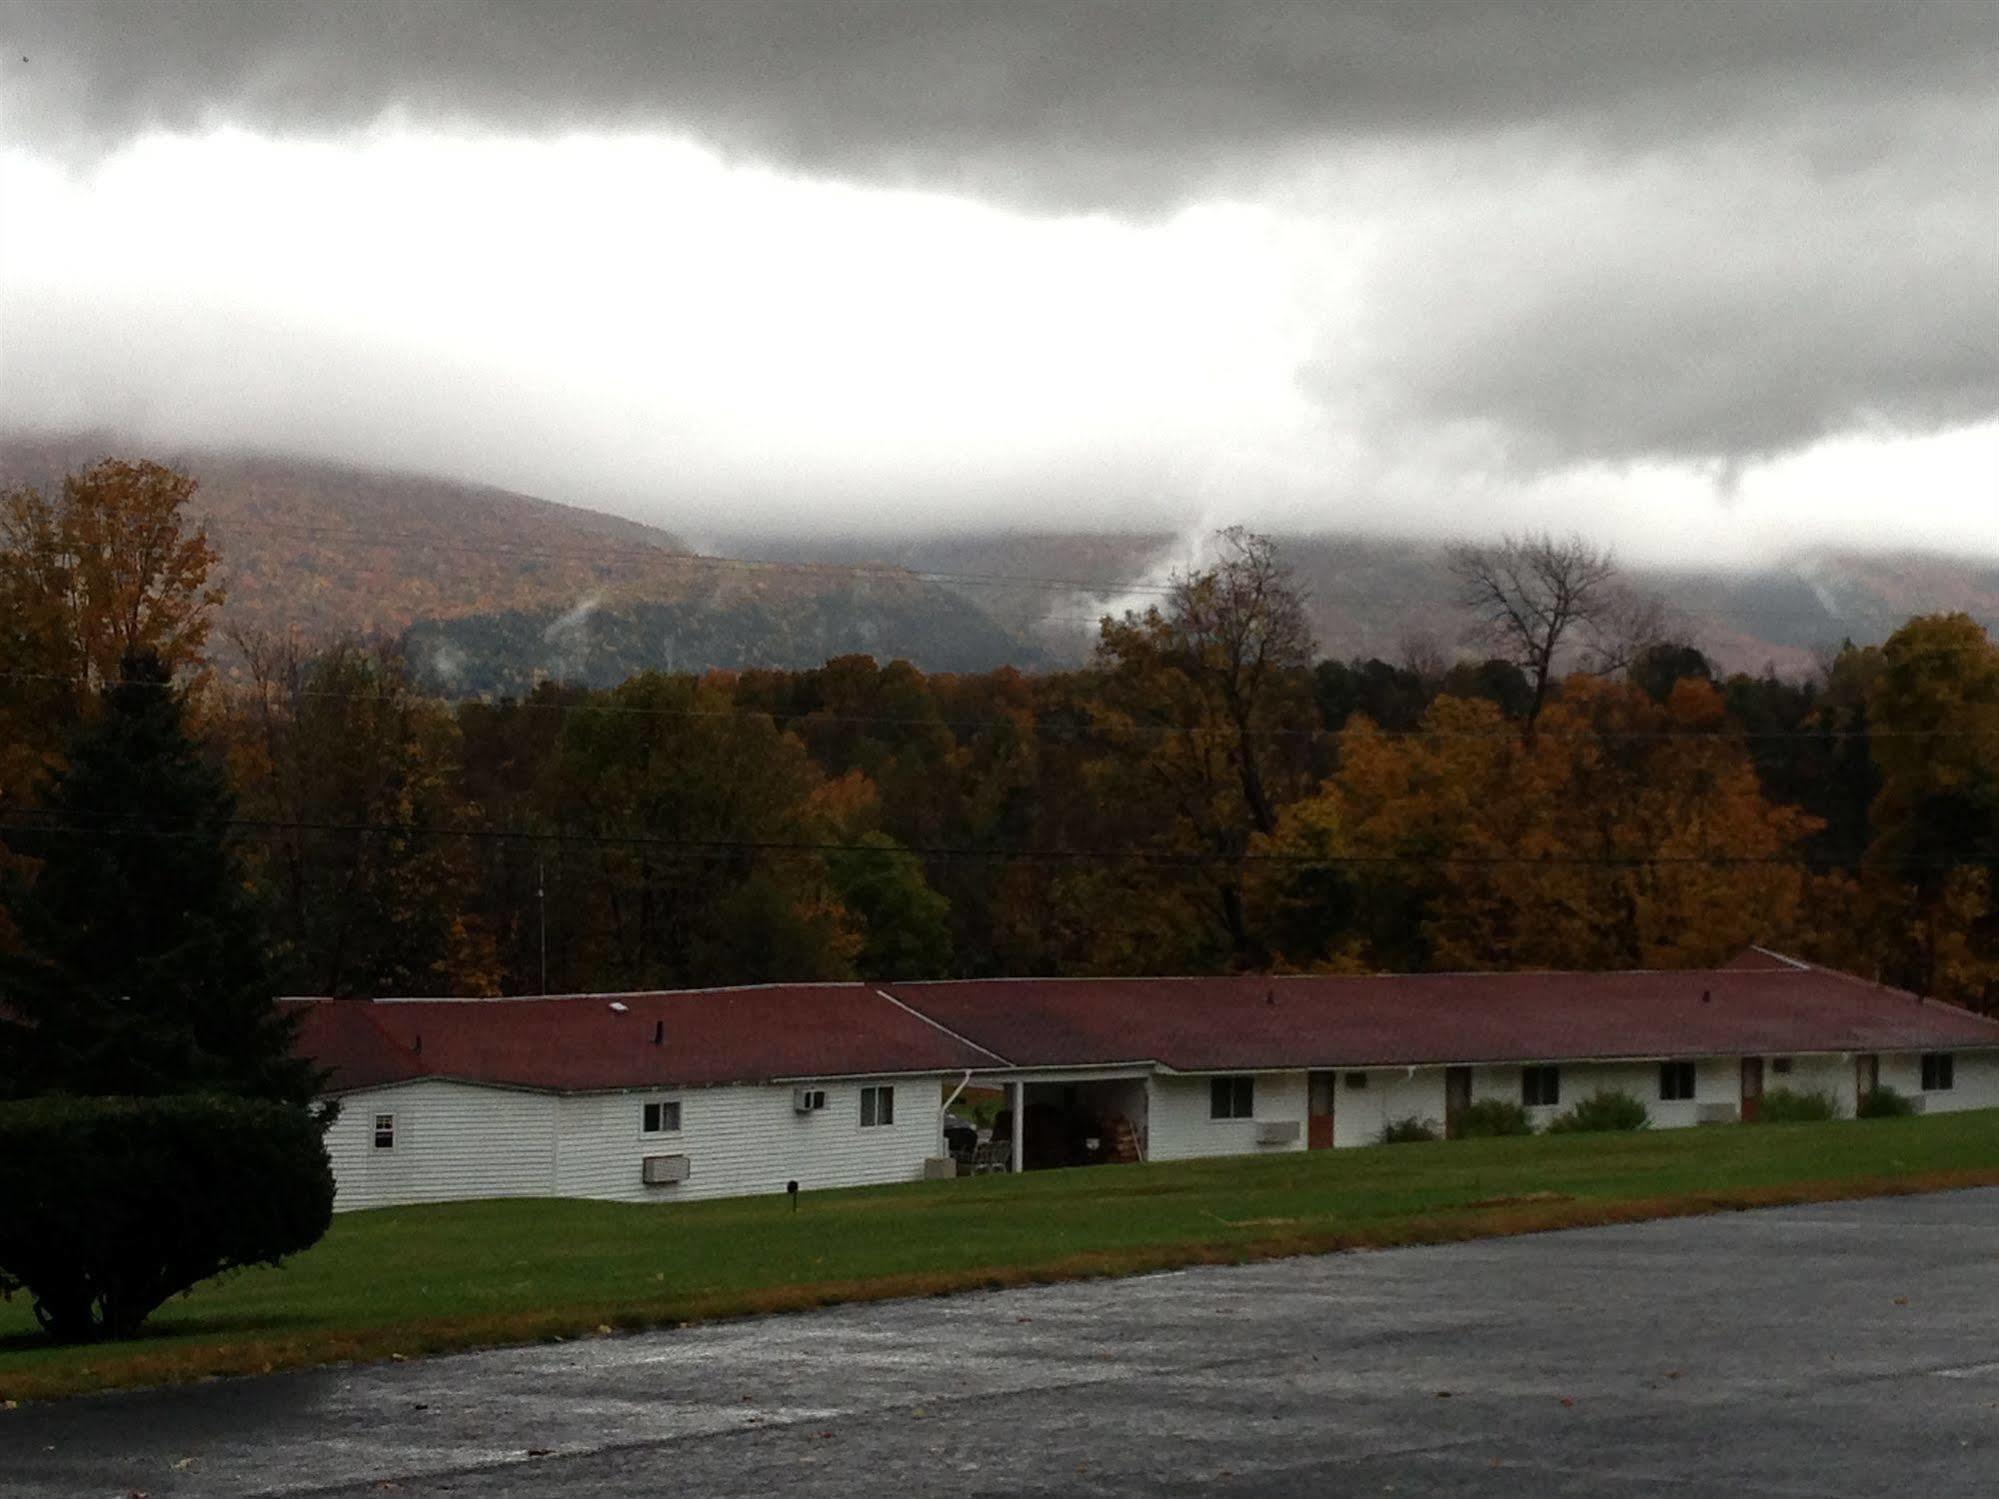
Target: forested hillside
1377 596
1206 793
502 590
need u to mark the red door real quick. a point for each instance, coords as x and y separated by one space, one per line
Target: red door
1752 1088
1319 1111
1866 1076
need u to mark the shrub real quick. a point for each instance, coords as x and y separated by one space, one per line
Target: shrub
114 1204
1883 1103
1602 1110
1490 1117
1786 1106
1410 1131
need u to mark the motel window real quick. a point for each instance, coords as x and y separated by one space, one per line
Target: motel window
385 1132
661 1118
1232 1098
1356 1080
1781 1066
1676 1081
1939 1071
877 1106
1540 1086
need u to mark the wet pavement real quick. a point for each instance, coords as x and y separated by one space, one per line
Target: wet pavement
1839 1350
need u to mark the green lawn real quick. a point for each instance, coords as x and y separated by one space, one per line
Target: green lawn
403 1281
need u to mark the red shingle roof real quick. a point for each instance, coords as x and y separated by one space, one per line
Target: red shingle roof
1761 1005
581 1043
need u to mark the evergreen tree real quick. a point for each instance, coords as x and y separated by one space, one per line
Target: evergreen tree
141 968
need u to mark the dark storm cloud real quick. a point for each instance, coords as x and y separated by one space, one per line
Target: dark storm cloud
1703 231
1080 103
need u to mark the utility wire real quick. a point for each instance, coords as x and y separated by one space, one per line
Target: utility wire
154 826
1039 723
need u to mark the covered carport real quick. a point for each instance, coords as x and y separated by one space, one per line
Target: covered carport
1074 1117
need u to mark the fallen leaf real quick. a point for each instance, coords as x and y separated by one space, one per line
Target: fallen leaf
1901 1301
1674 1373
540 1451
1566 1401
10 1405
1443 1394
604 1329
184 1464
1023 1319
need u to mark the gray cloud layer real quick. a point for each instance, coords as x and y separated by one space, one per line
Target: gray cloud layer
1081 102
1693 230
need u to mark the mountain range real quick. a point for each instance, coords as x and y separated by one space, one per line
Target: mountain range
494 590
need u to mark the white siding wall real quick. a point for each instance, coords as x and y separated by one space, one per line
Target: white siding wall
1974 1086
453 1140
1831 1075
1179 1128
746 1140
1716 1080
1392 1094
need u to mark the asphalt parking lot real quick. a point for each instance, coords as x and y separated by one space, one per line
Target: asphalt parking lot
1846 1349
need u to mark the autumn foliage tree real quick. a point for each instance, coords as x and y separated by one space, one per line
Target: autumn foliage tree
1933 863
1209 700
1627 833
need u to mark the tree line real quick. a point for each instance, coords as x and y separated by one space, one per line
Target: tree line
1582 789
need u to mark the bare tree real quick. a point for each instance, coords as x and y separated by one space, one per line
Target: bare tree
1532 596
1242 622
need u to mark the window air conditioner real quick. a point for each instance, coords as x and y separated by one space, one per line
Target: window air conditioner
1277 1132
808 1100
1717 1113
665 1170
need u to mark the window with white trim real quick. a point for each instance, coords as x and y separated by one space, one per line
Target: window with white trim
1939 1071
1540 1087
877 1106
1232 1098
660 1118
385 1132
1676 1081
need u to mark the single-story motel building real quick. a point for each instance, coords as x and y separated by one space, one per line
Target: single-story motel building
665 1097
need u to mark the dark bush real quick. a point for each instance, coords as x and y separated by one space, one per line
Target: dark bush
1490 1117
1410 1131
1884 1103
1602 1111
108 1206
1785 1106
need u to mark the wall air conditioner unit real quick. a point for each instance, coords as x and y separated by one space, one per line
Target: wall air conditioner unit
808 1100
1277 1132
1918 1104
1717 1113
665 1170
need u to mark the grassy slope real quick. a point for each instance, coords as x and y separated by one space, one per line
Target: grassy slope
417 1280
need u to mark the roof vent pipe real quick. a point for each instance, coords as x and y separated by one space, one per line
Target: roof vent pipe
1707 996
419 1043
659 1033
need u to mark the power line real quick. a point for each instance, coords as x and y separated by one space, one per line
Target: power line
123 825
1037 725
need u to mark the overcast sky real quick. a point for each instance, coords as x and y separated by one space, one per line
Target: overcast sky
1701 278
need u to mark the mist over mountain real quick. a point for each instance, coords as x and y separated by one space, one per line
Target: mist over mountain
495 590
